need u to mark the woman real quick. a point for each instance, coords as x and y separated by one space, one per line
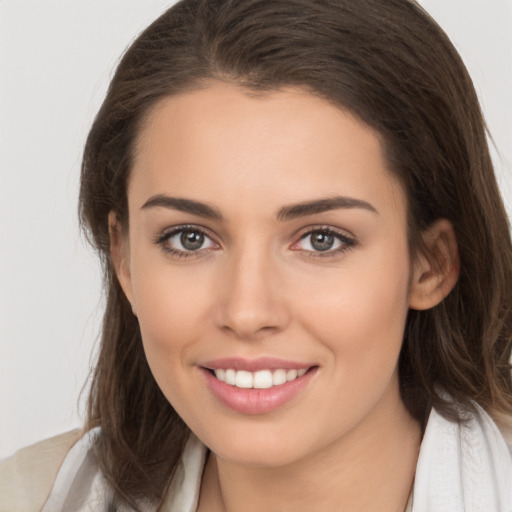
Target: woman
308 267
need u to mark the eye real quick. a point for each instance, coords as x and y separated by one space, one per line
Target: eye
323 240
185 241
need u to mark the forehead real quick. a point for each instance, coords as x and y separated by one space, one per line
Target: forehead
222 143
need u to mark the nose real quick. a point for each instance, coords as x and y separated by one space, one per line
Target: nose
251 301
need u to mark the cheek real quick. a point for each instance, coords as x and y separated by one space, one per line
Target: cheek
171 321
360 312
169 317
359 318
172 309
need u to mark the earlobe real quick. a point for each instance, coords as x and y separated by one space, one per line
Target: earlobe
119 253
436 270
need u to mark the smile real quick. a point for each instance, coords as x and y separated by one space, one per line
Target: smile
262 379
257 386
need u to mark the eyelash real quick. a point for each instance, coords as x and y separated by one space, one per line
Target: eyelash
346 242
162 240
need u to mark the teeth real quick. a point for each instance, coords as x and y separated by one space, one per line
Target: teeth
243 379
230 377
291 375
279 377
262 379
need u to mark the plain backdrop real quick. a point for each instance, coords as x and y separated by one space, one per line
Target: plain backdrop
56 61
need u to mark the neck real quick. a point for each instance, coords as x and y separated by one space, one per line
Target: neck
371 468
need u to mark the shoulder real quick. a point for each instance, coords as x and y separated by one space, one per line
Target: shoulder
61 474
27 477
463 465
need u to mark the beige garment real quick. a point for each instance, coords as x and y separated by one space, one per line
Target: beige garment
27 478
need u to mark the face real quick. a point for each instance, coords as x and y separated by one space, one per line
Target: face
268 265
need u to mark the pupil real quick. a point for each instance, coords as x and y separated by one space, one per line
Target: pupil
192 240
322 241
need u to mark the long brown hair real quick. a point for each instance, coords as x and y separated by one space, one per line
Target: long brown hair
391 65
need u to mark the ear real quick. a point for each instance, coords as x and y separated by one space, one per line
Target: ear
436 270
120 255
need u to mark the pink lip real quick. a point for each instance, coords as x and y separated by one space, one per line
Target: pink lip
256 401
254 365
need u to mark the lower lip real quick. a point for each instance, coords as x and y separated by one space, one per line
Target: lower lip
256 401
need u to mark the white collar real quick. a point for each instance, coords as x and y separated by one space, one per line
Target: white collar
183 494
463 467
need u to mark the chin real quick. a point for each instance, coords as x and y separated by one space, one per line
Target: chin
260 455
262 444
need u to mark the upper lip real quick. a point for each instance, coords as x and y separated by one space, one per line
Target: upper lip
254 365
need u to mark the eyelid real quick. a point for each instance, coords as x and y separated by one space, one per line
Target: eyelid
161 238
347 240
165 233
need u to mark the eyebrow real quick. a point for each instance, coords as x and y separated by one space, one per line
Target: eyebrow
183 205
294 211
286 213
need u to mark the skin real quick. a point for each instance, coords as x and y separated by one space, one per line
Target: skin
257 287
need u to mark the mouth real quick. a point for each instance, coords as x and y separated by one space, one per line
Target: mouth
256 387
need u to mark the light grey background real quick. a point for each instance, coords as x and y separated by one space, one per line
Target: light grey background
56 60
